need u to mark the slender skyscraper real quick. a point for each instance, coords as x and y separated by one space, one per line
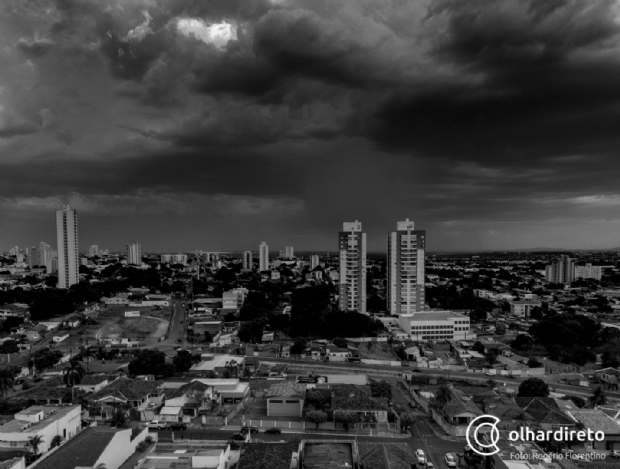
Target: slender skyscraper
405 269
247 260
68 255
314 261
134 254
263 257
352 288
561 271
289 252
93 251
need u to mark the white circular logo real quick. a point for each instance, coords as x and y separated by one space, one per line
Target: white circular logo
475 427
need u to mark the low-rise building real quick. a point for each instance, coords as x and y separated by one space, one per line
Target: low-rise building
43 421
523 308
436 325
286 398
138 393
202 455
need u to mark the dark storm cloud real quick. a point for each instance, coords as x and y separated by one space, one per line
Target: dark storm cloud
538 79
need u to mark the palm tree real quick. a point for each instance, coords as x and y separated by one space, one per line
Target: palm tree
73 374
57 441
442 396
87 354
6 381
598 398
119 419
34 442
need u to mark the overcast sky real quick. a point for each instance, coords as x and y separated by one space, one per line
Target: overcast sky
216 125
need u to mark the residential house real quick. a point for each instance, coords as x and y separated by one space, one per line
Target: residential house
216 364
188 401
43 421
203 455
93 447
229 390
140 395
548 412
461 409
386 455
336 354
609 378
32 336
359 399
268 456
576 379
17 360
597 420
95 382
286 398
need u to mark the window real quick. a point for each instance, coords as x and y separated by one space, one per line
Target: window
292 401
276 401
13 444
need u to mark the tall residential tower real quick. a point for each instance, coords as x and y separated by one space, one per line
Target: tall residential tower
263 257
68 255
352 288
134 254
405 269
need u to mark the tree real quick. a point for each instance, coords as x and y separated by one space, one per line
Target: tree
147 362
492 383
536 313
72 375
477 314
119 419
491 356
7 379
245 333
534 363
406 420
315 398
598 398
208 337
317 417
232 367
86 354
340 342
57 441
381 389
500 329
533 387
442 396
299 345
9 346
523 342
346 418
34 442
182 361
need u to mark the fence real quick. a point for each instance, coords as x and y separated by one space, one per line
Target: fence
450 429
367 339
368 361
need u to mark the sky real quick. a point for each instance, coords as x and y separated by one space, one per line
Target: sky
216 125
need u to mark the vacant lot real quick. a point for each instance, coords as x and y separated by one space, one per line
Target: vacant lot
376 351
112 323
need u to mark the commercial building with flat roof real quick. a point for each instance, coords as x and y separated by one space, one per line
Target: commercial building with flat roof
436 325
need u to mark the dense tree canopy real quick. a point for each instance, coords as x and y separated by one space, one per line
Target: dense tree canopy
533 387
151 362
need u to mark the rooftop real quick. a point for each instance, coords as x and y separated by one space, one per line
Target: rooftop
83 450
328 455
51 414
386 455
353 397
286 389
127 389
596 420
267 455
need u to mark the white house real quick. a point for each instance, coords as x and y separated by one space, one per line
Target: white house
45 421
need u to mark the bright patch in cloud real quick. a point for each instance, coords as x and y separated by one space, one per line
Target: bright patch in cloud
217 34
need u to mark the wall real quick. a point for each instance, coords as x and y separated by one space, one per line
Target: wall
368 361
367 339
119 450
450 429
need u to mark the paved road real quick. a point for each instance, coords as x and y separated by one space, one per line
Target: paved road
394 372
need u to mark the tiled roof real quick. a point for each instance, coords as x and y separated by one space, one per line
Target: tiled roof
127 389
83 450
286 389
18 359
386 455
544 410
353 397
189 388
596 420
457 406
267 455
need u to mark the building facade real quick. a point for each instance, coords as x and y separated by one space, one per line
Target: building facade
134 254
436 325
263 257
405 272
247 260
93 251
314 261
589 271
289 252
68 254
352 278
561 271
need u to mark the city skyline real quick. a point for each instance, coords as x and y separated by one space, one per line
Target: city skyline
183 126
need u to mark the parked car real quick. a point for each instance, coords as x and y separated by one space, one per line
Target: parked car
420 455
177 426
238 437
429 465
450 461
156 425
249 429
615 453
415 370
490 374
273 431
